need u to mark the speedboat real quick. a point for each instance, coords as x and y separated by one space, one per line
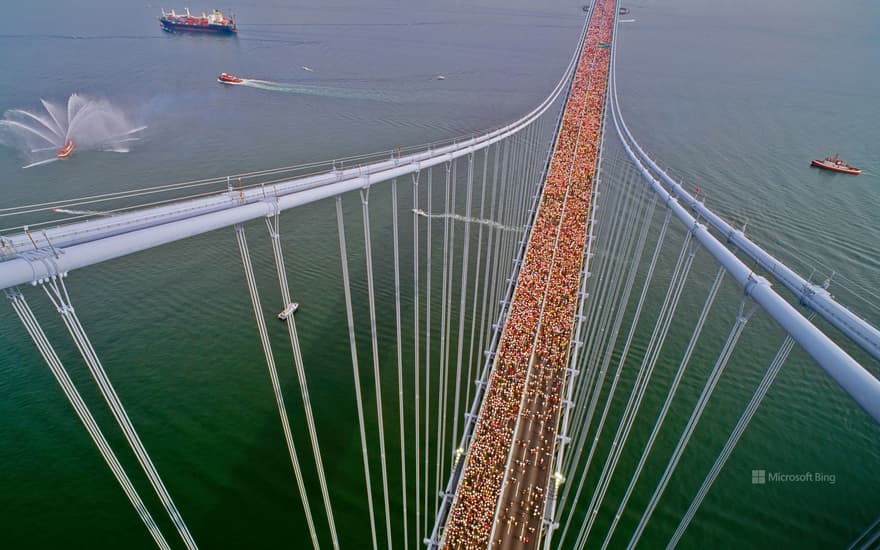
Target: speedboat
66 150
288 311
835 165
226 78
420 212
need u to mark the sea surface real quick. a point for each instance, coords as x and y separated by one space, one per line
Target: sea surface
734 97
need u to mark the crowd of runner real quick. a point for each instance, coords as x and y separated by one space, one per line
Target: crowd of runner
544 304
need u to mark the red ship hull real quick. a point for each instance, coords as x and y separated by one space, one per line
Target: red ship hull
67 150
844 169
229 79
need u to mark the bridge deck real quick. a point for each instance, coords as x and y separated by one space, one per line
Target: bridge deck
501 497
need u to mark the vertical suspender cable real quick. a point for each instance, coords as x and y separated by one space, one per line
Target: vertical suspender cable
741 425
623 354
631 334
502 236
717 370
525 180
275 237
441 389
474 310
613 290
368 249
591 271
504 217
500 240
273 376
352 340
865 540
488 307
605 281
416 359
615 226
461 306
399 360
673 388
614 286
428 329
447 329
61 300
587 418
26 315
643 378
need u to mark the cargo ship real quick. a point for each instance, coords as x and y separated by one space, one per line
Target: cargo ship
215 22
836 165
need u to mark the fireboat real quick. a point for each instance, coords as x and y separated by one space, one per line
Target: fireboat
66 150
835 165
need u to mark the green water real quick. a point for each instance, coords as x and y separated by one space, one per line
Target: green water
729 100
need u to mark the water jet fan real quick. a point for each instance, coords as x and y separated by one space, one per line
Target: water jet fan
88 123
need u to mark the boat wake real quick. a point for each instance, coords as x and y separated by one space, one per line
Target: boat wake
82 124
41 162
465 219
80 212
322 91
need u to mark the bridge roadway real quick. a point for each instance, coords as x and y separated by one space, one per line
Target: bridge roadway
501 499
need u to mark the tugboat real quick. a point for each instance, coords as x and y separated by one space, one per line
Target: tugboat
227 78
215 22
66 150
288 311
835 165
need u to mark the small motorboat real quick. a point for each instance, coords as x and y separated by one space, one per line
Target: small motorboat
66 150
835 165
226 78
420 212
288 311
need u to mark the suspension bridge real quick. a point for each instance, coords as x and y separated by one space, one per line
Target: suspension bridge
548 286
